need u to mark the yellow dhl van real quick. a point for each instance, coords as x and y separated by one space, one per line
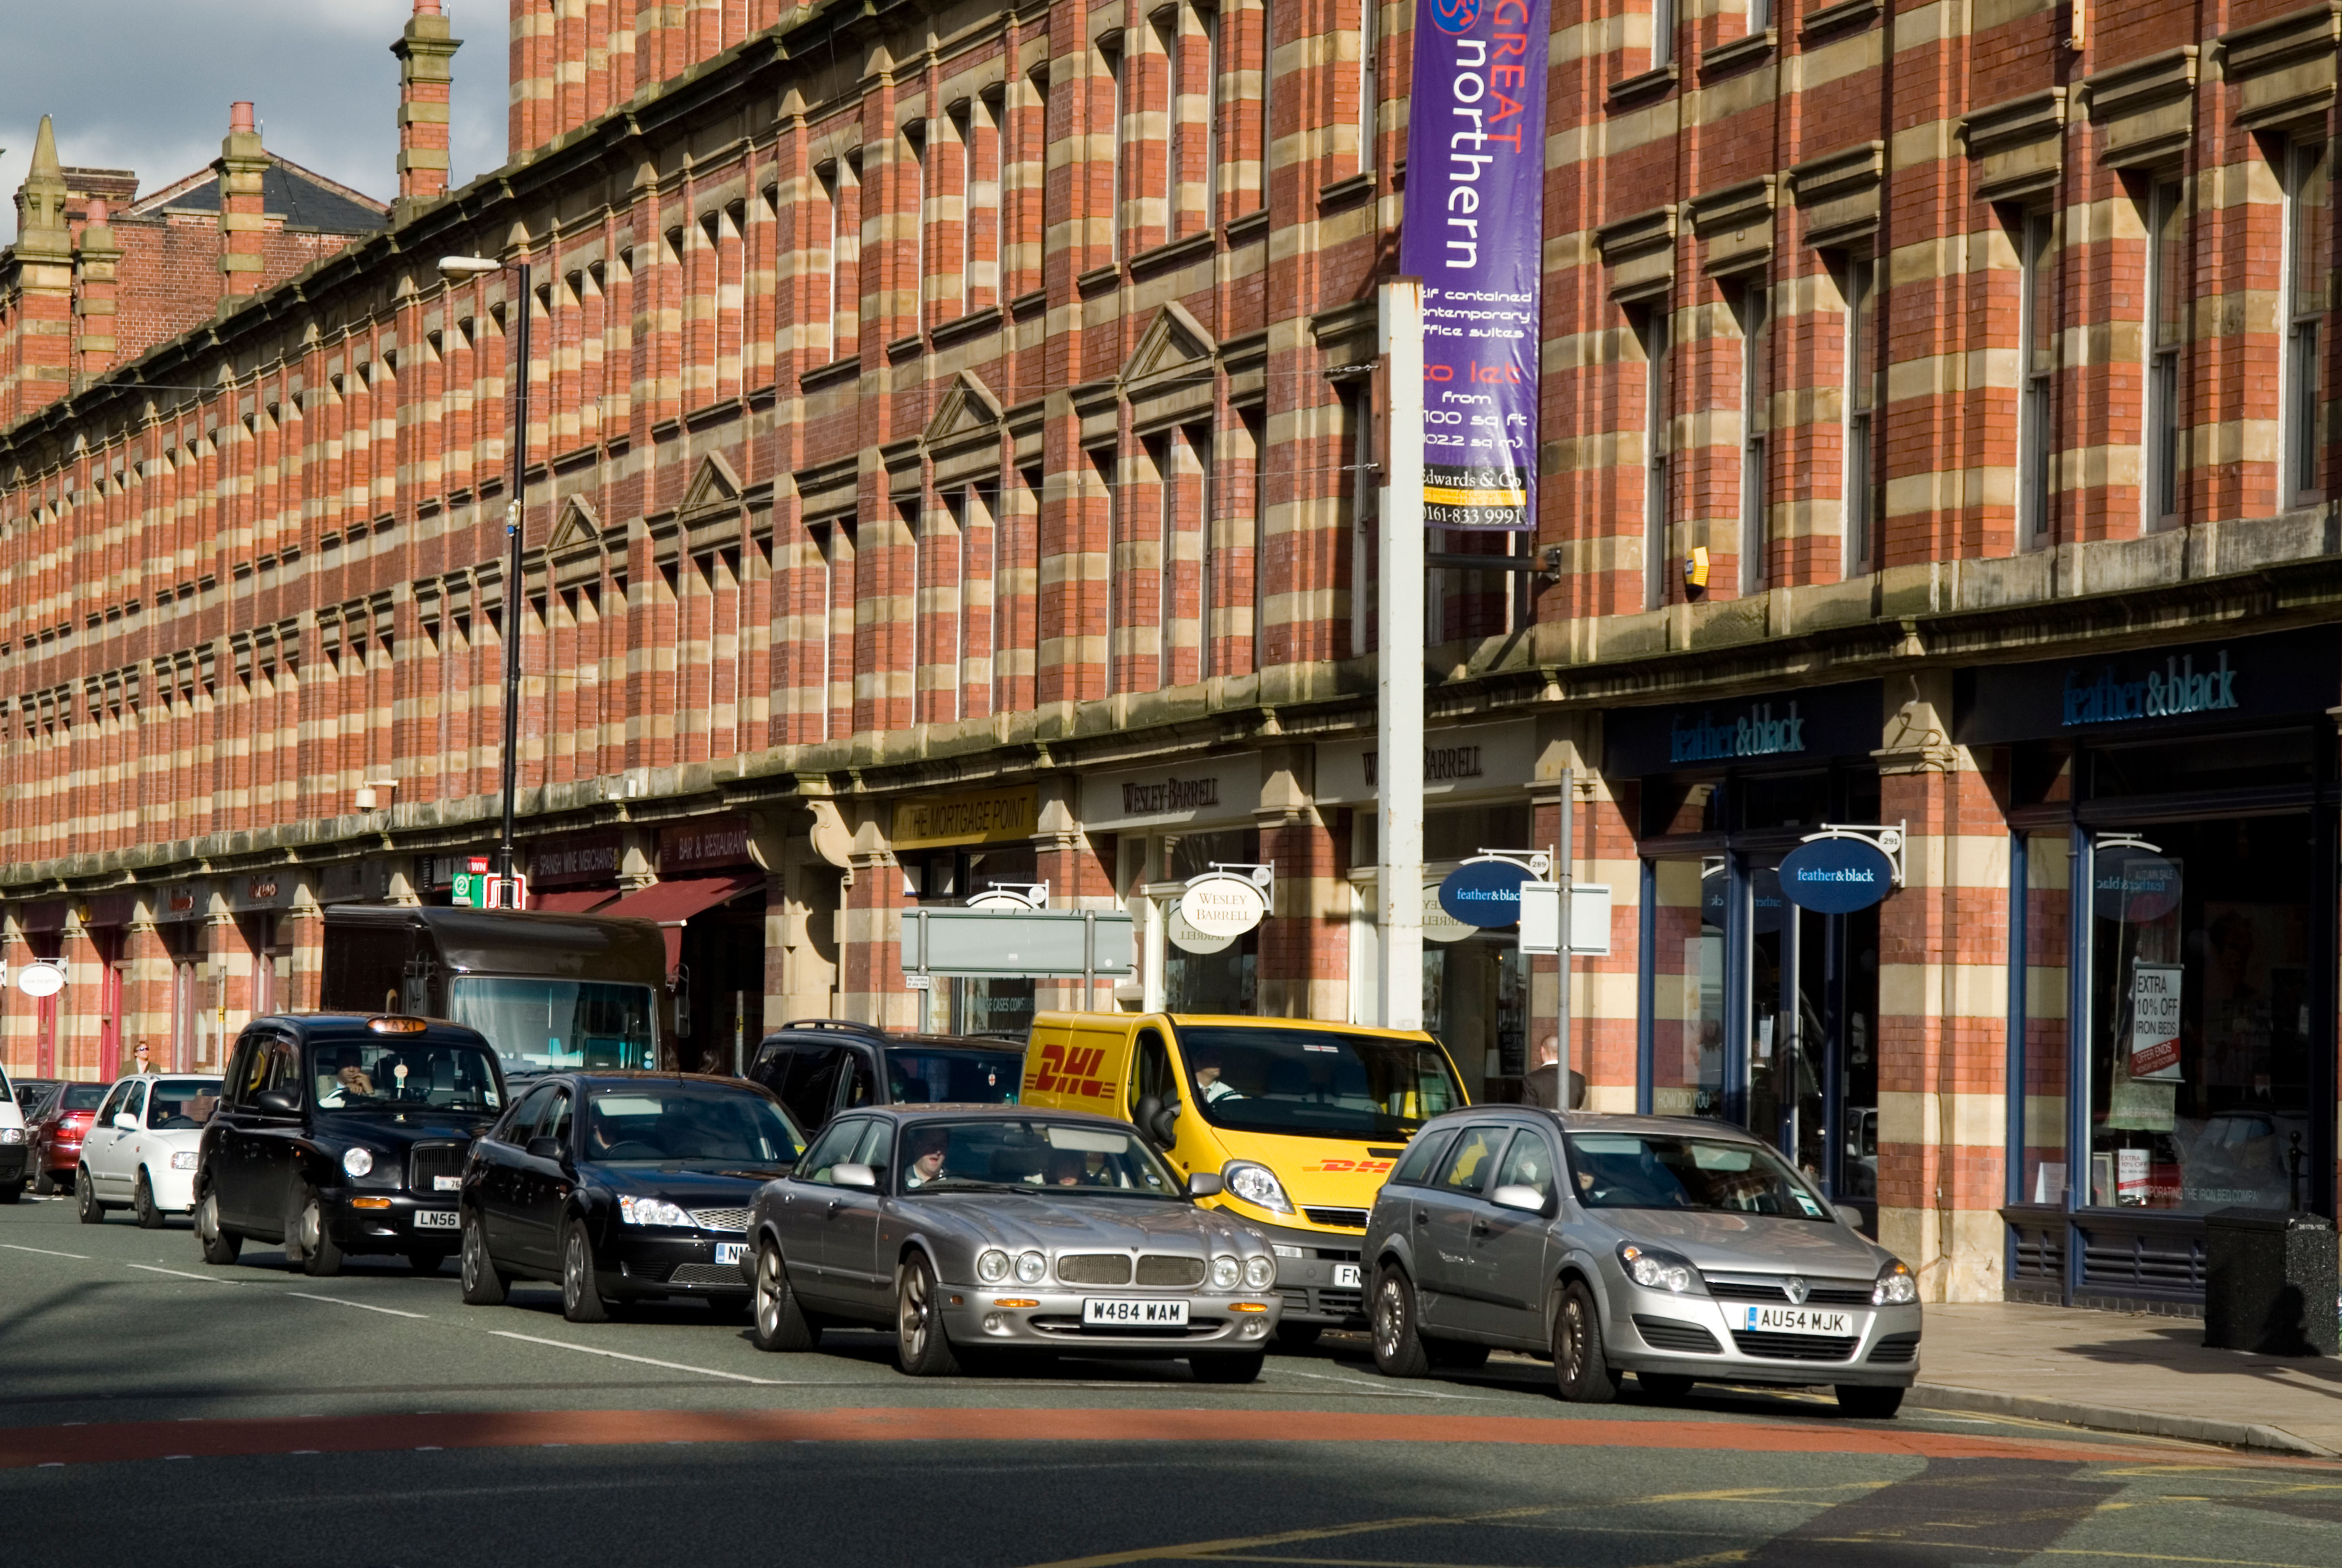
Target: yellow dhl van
1301 1121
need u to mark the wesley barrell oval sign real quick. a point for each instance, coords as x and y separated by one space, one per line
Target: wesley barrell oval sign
1837 875
1222 905
1484 891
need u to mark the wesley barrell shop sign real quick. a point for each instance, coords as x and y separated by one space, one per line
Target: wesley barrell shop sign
2148 690
1816 722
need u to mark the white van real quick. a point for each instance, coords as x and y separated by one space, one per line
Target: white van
15 1149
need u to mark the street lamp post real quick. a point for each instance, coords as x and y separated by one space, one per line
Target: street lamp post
456 268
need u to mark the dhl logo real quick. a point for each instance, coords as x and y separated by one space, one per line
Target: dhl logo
1369 1168
1070 1069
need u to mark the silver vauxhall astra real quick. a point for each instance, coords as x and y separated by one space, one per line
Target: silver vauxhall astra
1682 1251
984 1235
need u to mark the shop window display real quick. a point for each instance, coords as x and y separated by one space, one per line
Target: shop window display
2048 925
2199 1015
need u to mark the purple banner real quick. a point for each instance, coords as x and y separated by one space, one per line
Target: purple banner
1474 233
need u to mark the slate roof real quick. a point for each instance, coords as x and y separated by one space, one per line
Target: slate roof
306 200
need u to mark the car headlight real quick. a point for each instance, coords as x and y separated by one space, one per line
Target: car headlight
1259 1274
1257 1186
651 1212
357 1161
184 1160
1030 1267
1896 1285
991 1265
1226 1273
1655 1270
11 1134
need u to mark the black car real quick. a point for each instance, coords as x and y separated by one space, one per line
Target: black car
623 1186
820 1066
341 1133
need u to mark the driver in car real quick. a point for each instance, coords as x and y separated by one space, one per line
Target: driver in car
1209 1086
340 1076
927 1165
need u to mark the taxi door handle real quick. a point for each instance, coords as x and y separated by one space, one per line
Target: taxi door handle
1422 1217
1479 1227
836 1205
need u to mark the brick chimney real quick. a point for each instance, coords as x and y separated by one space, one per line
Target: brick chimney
96 339
241 164
529 120
46 260
425 77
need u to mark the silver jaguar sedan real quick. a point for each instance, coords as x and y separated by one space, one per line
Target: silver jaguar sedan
981 1233
1682 1251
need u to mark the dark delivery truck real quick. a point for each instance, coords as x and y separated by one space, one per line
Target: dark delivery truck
551 992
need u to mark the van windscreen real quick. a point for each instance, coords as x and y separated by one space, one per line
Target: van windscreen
1323 1081
550 1026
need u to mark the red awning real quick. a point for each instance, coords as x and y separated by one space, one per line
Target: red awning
677 899
572 900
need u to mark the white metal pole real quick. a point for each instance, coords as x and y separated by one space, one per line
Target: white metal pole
1399 675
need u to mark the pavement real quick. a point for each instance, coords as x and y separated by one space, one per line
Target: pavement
2126 1371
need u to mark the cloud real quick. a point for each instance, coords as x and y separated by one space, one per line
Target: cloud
144 84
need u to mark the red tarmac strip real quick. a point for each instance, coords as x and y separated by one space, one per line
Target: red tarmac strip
25 1446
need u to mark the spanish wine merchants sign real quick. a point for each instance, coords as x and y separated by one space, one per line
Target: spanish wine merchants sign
1472 231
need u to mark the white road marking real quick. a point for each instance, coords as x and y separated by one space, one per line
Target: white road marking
182 1274
336 1301
647 1361
77 1257
1378 1388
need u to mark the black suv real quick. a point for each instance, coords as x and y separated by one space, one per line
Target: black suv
341 1133
820 1066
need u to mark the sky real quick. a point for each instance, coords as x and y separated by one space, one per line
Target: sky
145 85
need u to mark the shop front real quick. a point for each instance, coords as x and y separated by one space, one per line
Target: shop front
1749 1007
1171 825
576 873
709 900
972 845
1475 980
2172 867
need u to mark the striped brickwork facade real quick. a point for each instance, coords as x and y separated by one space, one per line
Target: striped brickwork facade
956 400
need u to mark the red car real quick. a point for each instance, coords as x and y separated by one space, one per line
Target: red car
56 1137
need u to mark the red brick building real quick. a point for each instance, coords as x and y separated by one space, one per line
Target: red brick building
950 464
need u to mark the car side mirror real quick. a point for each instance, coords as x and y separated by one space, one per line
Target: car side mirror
1848 1216
1158 1121
278 1101
851 1174
1206 1184
544 1148
1529 1200
125 1121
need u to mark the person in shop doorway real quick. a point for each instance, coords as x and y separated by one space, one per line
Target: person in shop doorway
1543 1085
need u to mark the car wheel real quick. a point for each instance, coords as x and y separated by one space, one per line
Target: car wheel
1869 1404
142 1202
581 1284
922 1348
780 1323
426 1260
1398 1349
93 1213
483 1286
1244 1368
44 1183
321 1255
1455 1355
1666 1387
1578 1364
220 1246
1298 1336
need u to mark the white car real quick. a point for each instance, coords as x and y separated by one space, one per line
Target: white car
140 1151
15 1146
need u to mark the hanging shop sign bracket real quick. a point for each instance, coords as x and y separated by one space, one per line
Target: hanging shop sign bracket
1012 895
1886 838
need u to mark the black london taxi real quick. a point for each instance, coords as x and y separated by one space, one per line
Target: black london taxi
623 1186
342 1133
